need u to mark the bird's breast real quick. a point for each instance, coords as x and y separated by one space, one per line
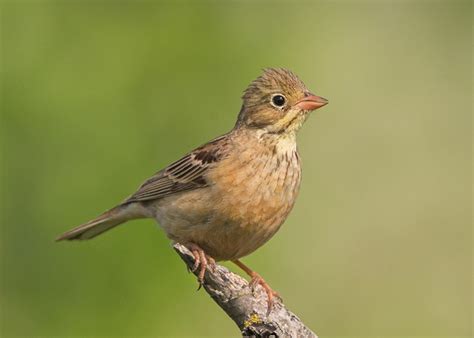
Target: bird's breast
258 187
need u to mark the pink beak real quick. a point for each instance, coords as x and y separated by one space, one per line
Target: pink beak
311 102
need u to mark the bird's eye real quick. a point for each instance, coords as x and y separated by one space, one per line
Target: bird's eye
278 100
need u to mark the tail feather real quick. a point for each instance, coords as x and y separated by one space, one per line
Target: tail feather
101 224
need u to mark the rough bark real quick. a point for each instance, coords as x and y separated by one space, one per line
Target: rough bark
246 308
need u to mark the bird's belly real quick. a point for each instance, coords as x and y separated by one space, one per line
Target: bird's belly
235 215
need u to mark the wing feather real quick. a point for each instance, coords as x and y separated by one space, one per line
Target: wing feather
187 173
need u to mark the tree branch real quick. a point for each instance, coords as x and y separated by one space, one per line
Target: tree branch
248 310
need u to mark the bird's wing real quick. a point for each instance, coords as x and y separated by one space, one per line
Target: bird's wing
187 173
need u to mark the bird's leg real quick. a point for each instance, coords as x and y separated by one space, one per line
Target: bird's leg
201 261
257 279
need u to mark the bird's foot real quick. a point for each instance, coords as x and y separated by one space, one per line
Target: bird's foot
256 279
201 262
271 294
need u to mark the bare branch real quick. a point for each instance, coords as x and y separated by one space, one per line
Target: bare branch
248 310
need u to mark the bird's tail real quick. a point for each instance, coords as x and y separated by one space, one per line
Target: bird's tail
104 222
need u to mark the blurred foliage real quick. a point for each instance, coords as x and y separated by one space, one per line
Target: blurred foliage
96 96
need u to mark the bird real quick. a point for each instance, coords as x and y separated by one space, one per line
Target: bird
228 197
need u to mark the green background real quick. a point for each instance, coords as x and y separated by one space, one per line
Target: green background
97 96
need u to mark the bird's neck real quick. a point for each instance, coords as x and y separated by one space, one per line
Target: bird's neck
281 142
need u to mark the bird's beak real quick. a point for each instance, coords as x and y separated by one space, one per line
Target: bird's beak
311 102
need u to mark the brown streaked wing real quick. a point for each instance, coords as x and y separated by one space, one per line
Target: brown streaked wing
187 173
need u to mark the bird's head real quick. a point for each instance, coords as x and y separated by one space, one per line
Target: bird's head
277 102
